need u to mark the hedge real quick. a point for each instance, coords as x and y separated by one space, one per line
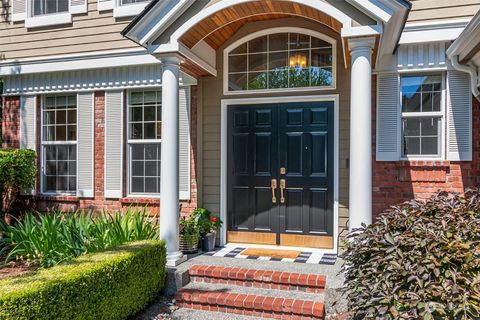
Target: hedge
112 284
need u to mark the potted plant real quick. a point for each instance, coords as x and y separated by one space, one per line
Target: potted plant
208 227
189 235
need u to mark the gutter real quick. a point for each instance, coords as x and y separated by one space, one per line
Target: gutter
471 71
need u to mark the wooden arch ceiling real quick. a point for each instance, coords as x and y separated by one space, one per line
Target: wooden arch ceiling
216 29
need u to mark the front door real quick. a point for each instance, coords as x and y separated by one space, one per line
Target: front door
280 174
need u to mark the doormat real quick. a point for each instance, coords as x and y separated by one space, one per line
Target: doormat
303 257
289 254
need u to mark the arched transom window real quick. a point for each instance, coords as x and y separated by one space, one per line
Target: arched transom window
281 61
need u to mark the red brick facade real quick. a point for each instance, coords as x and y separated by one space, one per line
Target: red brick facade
396 182
11 129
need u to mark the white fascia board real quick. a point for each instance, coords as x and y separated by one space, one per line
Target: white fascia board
379 10
468 38
432 32
48 20
76 63
362 31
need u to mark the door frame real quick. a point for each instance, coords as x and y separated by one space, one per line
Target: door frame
225 103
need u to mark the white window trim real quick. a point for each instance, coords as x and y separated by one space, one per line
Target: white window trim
42 155
441 114
128 10
52 19
129 141
265 32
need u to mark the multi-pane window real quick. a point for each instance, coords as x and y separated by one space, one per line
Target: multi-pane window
59 143
42 7
144 140
422 115
127 2
281 60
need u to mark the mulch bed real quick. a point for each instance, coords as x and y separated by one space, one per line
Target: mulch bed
13 269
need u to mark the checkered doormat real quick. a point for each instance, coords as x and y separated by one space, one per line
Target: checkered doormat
303 257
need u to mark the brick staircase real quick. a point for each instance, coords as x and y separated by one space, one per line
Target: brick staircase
252 292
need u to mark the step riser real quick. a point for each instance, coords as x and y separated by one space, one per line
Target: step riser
256 284
250 305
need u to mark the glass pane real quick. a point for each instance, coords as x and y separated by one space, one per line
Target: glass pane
151 185
321 77
430 127
258 45
137 151
240 49
49 102
51 183
137 185
159 130
72 152
136 98
299 41
299 77
257 62
149 131
151 152
72 132
411 146
278 41
62 168
61 101
49 117
149 113
50 168
72 168
411 102
151 169
257 80
61 133
62 183
237 81
278 60
278 78
72 185
321 58
136 131
237 63
430 146
136 114
159 113
50 153
62 6
48 133
319 43
421 93
299 59
149 97
411 127
72 101
72 116
62 152
61 116
137 168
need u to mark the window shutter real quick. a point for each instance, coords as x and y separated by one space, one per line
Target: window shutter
28 106
78 6
184 143
85 144
19 10
105 5
459 117
113 143
388 118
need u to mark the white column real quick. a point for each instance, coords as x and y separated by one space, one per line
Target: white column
360 193
169 192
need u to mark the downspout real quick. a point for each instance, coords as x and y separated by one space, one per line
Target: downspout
471 71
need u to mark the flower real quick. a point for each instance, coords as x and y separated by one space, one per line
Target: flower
213 219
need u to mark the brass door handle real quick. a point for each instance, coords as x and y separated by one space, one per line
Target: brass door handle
274 186
282 188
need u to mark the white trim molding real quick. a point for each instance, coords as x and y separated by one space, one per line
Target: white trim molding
432 31
225 103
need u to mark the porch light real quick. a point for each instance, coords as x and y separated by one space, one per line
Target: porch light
298 61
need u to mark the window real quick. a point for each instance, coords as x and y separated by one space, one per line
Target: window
59 144
127 2
144 141
43 7
279 61
422 115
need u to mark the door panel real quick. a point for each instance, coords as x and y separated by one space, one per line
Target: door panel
264 139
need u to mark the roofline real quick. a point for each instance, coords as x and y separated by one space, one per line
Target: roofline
137 18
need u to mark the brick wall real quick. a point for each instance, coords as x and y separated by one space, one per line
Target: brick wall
11 122
11 127
396 182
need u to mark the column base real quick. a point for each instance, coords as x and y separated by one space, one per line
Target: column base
175 258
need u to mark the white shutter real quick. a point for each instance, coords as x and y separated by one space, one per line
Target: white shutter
184 143
85 144
19 10
28 110
459 117
78 6
388 118
113 143
105 5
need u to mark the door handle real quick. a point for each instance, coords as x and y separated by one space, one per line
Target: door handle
274 186
282 189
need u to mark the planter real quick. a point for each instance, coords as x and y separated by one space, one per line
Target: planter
208 242
189 243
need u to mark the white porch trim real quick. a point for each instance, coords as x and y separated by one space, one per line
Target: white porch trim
225 103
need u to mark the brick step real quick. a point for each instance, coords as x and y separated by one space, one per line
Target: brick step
249 304
265 279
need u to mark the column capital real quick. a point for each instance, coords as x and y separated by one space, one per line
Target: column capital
171 60
361 44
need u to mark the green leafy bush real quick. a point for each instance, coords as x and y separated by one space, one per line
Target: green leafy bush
18 171
49 239
419 260
102 286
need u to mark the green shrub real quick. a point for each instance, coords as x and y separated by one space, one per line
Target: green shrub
49 239
419 260
18 171
108 285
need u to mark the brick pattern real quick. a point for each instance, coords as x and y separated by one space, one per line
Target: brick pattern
11 128
398 181
258 278
11 122
249 304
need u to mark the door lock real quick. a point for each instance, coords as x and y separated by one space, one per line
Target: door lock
282 189
274 186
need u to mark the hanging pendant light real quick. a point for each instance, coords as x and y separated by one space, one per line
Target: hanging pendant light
298 60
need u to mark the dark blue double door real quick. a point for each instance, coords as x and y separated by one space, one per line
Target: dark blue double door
280 174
